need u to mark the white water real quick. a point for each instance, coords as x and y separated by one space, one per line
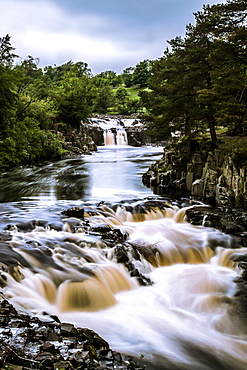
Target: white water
188 318
119 139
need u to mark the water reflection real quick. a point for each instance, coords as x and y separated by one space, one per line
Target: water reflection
111 173
102 174
72 181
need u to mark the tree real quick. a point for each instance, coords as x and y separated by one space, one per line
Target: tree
141 73
122 98
7 82
201 79
6 51
226 26
74 99
108 78
104 99
127 76
24 131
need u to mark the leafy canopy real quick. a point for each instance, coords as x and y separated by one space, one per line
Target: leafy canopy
200 82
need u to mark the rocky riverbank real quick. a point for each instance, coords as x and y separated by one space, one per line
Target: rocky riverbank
26 342
212 176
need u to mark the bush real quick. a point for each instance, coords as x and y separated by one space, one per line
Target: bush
25 142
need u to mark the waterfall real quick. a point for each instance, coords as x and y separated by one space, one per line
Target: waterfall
109 138
122 137
119 139
114 130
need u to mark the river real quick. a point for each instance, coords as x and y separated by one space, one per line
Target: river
187 317
39 192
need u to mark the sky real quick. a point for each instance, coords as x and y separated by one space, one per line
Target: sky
105 34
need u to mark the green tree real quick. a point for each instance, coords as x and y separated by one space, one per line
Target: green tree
127 76
122 98
7 82
7 55
24 126
104 99
74 99
226 27
141 73
201 80
108 78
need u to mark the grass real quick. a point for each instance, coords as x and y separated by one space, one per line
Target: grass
132 91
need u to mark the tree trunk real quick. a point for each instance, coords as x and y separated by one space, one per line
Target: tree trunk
212 123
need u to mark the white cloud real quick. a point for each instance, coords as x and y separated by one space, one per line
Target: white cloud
44 30
58 31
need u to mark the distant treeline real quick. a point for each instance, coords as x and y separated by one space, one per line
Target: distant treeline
199 84
36 104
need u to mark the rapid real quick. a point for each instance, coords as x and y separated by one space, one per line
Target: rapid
123 262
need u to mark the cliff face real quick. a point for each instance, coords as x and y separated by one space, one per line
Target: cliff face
210 176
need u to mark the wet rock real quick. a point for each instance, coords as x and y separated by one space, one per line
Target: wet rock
26 342
107 233
125 254
73 225
77 212
5 236
67 329
241 282
229 221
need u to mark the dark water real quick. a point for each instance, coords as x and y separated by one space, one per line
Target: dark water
41 192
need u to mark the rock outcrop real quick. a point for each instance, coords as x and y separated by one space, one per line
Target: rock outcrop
77 141
212 177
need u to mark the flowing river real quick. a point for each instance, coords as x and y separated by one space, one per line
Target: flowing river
185 317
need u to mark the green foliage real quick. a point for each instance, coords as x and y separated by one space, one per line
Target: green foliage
200 82
33 103
25 142
127 101
7 95
141 74
74 99
108 78
6 51
104 99
127 76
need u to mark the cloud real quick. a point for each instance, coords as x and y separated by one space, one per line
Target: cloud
106 34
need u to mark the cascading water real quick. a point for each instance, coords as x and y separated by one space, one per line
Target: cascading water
120 138
187 317
109 138
135 271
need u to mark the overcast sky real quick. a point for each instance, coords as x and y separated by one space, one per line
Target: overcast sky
106 34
